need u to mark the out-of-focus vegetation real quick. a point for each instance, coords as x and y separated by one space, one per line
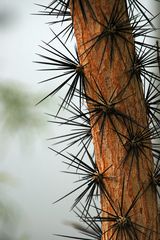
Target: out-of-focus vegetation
17 108
19 118
9 217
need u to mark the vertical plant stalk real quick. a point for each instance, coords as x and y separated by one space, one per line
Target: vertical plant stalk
107 68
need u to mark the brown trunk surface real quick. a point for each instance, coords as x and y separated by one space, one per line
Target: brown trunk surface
109 150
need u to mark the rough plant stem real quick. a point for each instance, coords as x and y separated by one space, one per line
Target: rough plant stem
108 77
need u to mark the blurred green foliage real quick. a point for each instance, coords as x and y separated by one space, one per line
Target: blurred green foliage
19 113
19 117
8 211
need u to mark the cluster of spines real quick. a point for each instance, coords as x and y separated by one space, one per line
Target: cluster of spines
137 138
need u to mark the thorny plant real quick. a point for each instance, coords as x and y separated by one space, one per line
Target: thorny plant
137 32
81 129
121 221
137 141
92 180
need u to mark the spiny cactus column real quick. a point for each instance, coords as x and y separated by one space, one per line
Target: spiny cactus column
106 48
112 75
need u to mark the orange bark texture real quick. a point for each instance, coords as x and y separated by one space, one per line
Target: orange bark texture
112 77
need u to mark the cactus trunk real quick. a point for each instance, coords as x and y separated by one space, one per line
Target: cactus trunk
115 75
110 71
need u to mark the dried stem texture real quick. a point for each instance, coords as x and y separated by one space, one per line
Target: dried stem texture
109 70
